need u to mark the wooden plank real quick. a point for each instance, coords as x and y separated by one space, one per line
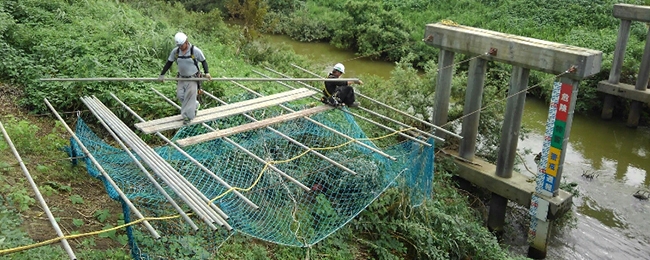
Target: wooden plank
625 91
639 13
530 53
221 108
234 110
250 126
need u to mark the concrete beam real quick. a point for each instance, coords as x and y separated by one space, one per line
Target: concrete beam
624 90
517 188
639 13
525 52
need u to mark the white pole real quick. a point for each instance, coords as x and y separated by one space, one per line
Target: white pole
55 225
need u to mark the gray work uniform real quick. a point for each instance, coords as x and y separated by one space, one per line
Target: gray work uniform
186 91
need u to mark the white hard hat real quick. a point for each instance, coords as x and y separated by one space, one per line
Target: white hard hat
180 38
339 67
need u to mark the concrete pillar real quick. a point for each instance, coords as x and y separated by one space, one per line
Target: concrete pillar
635 114
471 111
508 144
644 69
443 90
512 122
617 65
641 84
608 107
619 51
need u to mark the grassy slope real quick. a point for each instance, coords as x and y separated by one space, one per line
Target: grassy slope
107 39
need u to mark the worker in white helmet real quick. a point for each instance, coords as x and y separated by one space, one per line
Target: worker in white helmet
339 92
187 57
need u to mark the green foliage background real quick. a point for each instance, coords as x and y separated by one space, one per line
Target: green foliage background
389 30
103 38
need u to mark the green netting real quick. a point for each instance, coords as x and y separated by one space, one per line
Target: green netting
287 215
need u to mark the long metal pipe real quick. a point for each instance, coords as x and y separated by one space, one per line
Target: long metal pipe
39 197
187 196
362 108
283 174
368 119
184 185
143 169
389 107
324 126
108 178
193 191
289 138
191 79
200 165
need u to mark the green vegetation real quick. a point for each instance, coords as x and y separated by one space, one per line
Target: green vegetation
132 38
390 30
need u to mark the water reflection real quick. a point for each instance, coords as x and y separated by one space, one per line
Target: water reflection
611 223
606 216
327 55
601 143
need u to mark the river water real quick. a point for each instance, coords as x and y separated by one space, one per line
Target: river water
611 223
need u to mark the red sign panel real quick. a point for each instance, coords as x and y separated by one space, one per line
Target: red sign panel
564 102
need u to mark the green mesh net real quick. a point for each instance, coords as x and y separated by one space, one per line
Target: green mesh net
288 215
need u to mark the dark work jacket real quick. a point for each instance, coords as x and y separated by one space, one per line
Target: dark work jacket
330 86
345 92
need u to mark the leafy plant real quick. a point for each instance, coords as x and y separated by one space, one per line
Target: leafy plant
102 215
108 234
47 190
21 198
76 199
77 222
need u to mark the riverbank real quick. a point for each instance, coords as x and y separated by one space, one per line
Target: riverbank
443 227
615 154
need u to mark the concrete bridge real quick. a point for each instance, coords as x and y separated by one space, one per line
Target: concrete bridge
569 64
637 93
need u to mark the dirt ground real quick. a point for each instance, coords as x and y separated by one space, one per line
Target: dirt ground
67 183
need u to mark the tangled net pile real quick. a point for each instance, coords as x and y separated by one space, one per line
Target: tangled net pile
288 215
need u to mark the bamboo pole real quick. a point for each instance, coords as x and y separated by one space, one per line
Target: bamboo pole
369 120
195 79
176 182
325 126
215 214
391 108
108 178
143 169
360 107
340 166
251 154
53 222
200 165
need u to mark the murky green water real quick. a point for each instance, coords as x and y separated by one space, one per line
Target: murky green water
328 55
611 223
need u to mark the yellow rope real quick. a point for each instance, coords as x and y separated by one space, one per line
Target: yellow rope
266 165
54 240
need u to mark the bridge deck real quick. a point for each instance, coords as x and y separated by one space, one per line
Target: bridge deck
174 122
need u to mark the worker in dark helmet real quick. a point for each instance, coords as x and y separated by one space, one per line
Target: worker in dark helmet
337 93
